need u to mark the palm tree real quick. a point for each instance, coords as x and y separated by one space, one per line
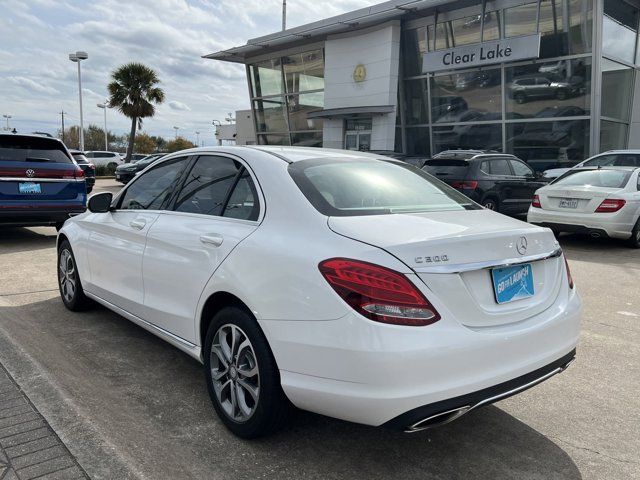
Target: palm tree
133 92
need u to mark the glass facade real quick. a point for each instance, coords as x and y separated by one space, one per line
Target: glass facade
284 91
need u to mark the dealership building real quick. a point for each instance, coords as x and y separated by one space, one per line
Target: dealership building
551 81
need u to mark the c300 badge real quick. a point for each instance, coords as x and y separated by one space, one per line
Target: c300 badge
432 259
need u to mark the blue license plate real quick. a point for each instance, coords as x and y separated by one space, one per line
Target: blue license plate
512 283
29 188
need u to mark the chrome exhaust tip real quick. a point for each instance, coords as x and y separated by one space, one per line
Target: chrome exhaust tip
438 419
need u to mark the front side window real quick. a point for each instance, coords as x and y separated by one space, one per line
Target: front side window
373 187
520 169
206 187
152 189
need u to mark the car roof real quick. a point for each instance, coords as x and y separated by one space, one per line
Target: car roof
29 135
607 167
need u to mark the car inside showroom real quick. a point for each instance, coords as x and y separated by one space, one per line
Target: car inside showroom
550 81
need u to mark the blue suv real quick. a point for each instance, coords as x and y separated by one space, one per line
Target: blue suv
40 183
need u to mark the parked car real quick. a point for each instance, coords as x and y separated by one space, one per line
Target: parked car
496 181
527 88
415 160
138 156
40 184
612 158
323 278
125 172
100 158
87 167
600 201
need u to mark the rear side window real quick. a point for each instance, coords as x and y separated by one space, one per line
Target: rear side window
243 202
447 168
15 148
373 187
595 178
152 189
499 167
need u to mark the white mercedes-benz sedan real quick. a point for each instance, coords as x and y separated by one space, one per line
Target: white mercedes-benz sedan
600 201
344 283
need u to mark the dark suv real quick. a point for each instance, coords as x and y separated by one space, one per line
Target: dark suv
40 183
497 181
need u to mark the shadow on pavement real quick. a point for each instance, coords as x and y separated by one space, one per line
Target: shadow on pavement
598 250
150 400
16 239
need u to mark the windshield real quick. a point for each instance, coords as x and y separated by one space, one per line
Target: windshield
32 149
595 178
373 187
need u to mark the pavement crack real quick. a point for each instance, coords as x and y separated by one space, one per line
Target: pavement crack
591 450
27 293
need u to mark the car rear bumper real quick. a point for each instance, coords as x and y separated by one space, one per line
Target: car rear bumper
615 225
38 217
373 373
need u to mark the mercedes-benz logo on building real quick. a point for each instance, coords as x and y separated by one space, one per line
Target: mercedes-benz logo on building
521 245
31 173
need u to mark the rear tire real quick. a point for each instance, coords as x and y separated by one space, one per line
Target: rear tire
69 283
634 241
242 376
520 98
491 204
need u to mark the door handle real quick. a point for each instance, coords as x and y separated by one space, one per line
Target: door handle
137 224
212 239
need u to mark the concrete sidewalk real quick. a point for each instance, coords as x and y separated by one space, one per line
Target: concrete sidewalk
29 448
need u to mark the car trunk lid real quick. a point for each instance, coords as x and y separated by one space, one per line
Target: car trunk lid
575 199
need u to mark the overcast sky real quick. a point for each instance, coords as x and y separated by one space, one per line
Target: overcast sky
37 80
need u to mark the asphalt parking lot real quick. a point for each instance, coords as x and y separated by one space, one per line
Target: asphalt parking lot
128 405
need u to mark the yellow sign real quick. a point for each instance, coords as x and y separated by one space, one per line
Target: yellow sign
360 73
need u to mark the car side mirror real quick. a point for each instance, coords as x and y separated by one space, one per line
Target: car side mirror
100 202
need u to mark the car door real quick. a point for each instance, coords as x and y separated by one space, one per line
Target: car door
216 208
525 185
117 238
498 173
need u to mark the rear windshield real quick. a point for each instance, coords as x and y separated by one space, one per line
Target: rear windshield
373 187
595 178
447 168
32 149
80 158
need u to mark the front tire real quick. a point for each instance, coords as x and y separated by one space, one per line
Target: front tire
69 283
242 376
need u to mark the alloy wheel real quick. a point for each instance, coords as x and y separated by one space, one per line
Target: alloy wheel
67 275
490 205
235 373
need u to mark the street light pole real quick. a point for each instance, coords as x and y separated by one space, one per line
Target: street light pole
7 117
103 106
197 139
176 129
77 58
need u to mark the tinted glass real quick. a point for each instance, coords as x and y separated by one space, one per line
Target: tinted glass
80 158
207 185
480 136
613 135
304 71
617 89
298 106
520 168
447 169
243 202
266 78
500 167
595 178
151 190
32 149
307 139
373 187
619 29
418 141
271 115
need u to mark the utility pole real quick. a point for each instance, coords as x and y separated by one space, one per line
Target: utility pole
62 112
284 15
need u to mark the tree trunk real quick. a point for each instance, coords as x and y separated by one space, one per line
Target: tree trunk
132 137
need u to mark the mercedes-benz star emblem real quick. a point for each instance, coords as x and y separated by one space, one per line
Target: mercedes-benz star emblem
31 173
521 245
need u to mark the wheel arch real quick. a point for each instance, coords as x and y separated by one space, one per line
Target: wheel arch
214 303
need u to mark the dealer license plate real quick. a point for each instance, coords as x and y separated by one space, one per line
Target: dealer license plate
568 203
512 283
29 188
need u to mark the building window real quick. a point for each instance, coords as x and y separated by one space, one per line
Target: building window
613 135
298 106
617 88
418 142
266 78
619 30
270 114
483 136
304 71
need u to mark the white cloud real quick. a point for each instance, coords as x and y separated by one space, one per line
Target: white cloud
179 106
37 80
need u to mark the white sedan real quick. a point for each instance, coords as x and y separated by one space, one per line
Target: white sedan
344 283
603 202
612 158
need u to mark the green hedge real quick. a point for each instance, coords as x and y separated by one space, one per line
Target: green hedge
105 170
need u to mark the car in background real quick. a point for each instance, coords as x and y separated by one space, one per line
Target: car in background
40 183
86 166
612 158
599 201
527 88
415 160
125 172
138 156
344 283
103 158
497 181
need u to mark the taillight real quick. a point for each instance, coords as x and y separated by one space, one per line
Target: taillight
610 205
466 185
569 277
378 293
79 173
536 202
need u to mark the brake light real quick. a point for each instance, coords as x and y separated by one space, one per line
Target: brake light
610 205
569 277
465 185
378 293
536 202
79 173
